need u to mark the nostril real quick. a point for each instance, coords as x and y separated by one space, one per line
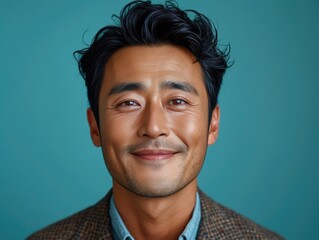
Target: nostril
154 135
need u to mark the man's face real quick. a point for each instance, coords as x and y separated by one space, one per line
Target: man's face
153 110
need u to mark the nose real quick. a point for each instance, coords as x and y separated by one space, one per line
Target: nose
154 122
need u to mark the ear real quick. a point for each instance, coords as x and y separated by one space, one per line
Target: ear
94 129
213 129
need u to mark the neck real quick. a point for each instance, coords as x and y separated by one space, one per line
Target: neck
155 218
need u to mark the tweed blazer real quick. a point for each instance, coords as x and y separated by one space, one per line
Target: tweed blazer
217 222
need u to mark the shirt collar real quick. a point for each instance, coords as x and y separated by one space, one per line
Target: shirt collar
121 233
190 232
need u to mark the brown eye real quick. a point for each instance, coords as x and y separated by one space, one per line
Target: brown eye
128 103
177 102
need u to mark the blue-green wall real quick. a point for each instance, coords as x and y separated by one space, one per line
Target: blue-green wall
265 164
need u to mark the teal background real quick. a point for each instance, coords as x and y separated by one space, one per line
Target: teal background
264 165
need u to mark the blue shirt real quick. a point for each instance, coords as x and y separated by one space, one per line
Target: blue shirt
120 231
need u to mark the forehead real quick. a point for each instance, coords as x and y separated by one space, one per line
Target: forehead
151 65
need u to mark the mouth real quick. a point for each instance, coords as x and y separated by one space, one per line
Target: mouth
154 154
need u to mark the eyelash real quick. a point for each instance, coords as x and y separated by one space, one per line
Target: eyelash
127 103
132 103
180 100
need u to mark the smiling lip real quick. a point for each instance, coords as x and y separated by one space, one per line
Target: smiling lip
154 154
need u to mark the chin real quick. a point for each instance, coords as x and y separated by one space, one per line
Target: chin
156 190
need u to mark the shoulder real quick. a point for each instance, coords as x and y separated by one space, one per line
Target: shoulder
222 223
92 222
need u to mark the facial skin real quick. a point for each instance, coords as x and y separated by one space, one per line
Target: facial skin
153 110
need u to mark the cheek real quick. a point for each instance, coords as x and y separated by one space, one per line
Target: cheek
116 133
191 129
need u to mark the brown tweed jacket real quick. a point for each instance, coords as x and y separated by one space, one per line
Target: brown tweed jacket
218 222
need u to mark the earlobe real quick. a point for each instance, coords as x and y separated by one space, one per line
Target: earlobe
214 126
94 129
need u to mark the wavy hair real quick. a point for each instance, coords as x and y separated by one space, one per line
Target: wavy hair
144 23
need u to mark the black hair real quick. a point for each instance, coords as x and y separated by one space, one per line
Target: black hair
144 23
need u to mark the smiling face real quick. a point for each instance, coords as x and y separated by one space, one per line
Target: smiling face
153 110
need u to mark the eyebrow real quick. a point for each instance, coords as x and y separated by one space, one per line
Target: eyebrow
184 86
123 87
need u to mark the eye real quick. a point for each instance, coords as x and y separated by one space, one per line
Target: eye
127 104
177 101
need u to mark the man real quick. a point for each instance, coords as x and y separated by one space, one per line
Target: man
153 83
